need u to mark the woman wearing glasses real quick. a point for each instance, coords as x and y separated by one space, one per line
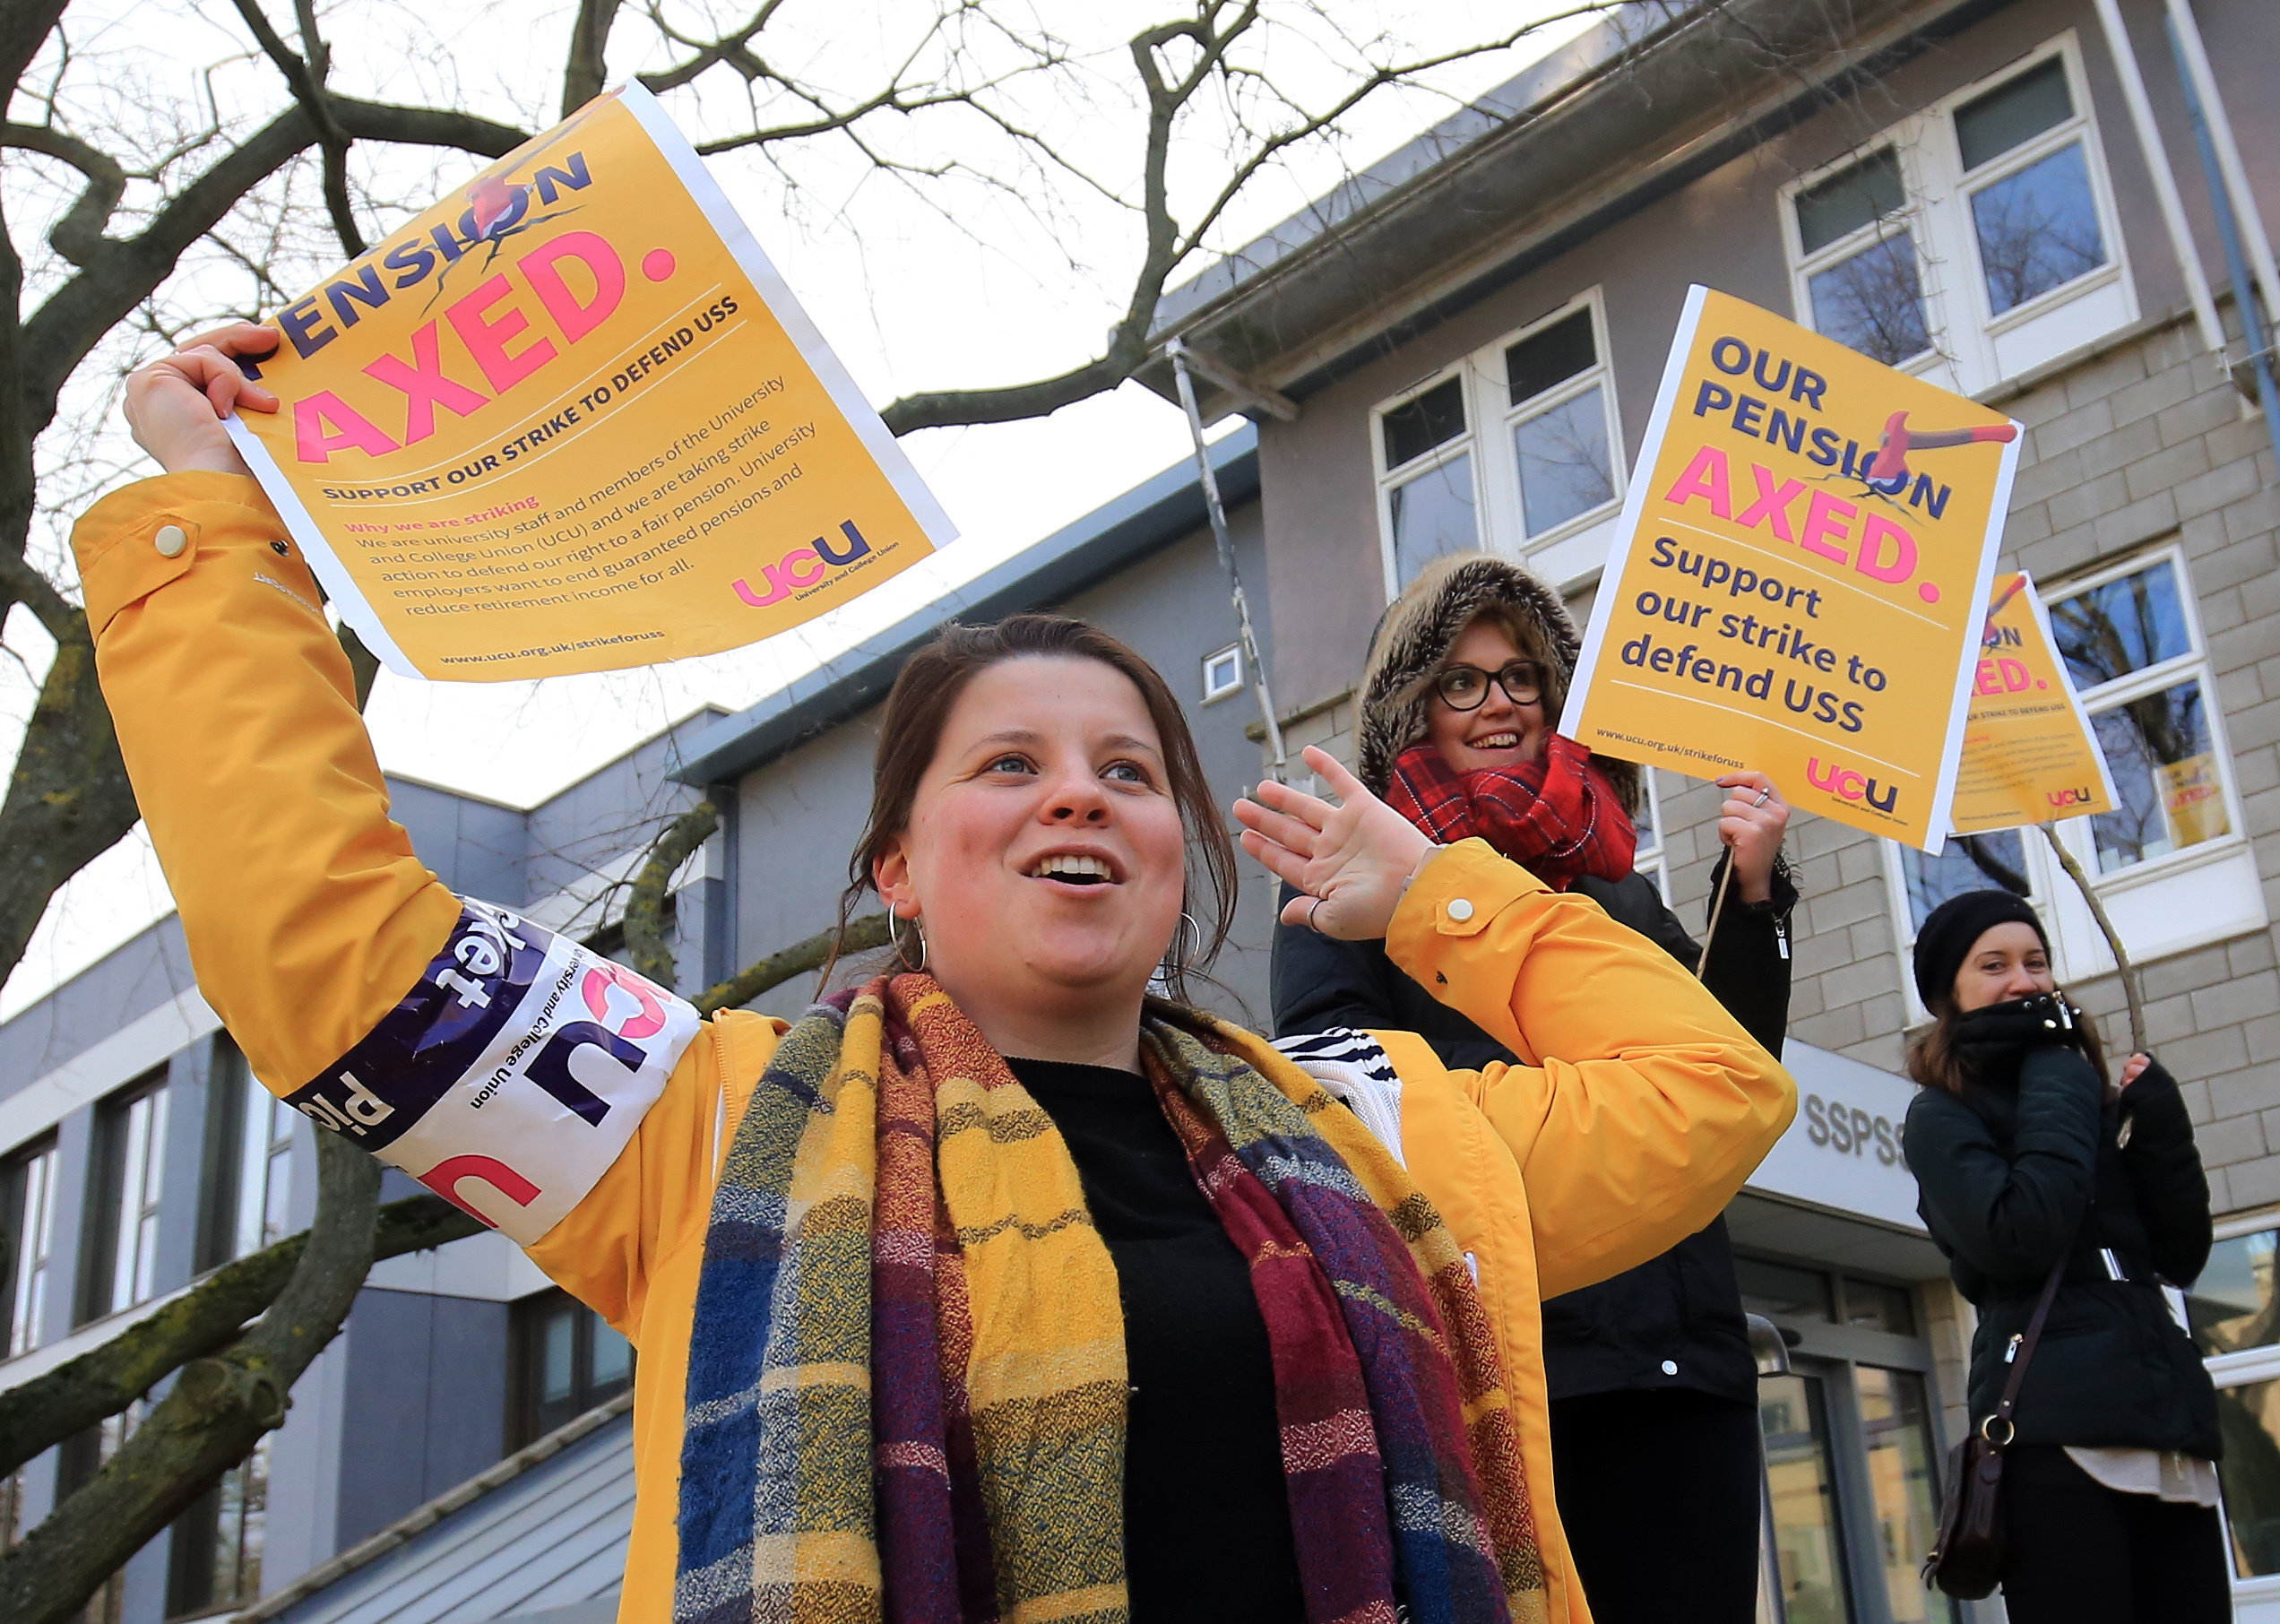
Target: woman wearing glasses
1652 1385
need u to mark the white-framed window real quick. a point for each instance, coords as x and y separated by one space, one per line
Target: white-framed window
1651 860
27 1239
2234 1313
120 1243
1973 240
248 1185
1517 449
2170 863
1223 672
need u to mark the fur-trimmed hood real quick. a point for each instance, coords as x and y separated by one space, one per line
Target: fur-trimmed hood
1414 637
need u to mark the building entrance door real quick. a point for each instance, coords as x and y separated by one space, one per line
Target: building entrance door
1804 1536
1851 1487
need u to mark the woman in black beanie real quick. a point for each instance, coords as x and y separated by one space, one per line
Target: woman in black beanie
2025 1154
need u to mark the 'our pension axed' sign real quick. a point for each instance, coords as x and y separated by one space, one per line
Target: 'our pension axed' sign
2029 754
570 419
1801 571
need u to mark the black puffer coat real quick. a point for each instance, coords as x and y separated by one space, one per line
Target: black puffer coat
2025 1168
1682 1308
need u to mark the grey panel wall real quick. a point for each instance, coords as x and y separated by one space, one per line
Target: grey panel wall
427 1381
130 980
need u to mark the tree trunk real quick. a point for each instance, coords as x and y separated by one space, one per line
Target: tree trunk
217 1412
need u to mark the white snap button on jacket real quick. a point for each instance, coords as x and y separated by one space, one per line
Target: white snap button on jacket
1460 910
170 541
1670 1367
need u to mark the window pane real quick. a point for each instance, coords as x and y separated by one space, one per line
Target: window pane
613 1359
252 1170
1873 302
1780 1290
1968 862
2230 1306
1843 203
1564 466
1897 1429
1876 1307
2038 228
2248 1418
2164 772
2122 627
1553 356
2013 113
1800 1484
557 1348
1433 515
1433 418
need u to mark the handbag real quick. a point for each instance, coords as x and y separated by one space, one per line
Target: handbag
1966 1558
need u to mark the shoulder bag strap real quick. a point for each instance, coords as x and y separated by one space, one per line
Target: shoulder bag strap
2022 1347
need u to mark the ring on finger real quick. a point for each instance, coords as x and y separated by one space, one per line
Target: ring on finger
1764 796
1311 912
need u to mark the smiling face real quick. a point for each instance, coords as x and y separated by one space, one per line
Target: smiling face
2007 962
1044 852
1500 733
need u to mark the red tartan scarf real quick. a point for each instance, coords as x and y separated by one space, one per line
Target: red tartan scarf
1558 817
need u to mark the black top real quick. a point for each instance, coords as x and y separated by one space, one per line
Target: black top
1207 1514
1675 1321
2026 1168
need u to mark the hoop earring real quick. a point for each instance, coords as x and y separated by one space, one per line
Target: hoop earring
1187 942
895 936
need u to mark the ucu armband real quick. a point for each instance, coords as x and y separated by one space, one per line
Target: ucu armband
509 1078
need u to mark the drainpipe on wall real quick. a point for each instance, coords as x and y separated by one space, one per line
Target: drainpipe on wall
2200 83
1179 353
2228 231
2157 157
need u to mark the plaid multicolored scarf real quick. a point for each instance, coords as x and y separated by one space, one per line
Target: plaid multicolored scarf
906 1388
1555 816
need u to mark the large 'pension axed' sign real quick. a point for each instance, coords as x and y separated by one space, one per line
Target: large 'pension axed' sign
570 419
1799 574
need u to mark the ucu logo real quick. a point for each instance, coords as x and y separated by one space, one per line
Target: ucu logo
1848 785
803 566
2068 798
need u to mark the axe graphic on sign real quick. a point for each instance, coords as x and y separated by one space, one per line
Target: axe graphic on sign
1888 472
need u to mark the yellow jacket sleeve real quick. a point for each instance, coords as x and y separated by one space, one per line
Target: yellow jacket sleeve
1641 1105
504 1068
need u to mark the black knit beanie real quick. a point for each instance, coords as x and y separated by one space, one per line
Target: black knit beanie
1947 936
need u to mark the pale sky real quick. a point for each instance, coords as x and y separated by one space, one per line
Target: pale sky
917 285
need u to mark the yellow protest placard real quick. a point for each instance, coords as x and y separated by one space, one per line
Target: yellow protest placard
571 420
1799 575
2028 755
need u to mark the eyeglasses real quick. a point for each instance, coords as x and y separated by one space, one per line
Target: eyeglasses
1465 688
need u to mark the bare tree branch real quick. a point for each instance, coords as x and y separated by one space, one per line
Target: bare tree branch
218 1409
585 72
76 234
644 922
103 1381
765 974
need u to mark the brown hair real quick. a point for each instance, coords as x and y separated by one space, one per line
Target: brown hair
1524 633
1934 1063
920 702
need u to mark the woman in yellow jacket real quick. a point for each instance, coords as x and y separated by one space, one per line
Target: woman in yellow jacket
994 1288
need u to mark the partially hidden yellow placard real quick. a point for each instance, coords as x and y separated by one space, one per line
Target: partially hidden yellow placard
1799 575
2029 754
571 420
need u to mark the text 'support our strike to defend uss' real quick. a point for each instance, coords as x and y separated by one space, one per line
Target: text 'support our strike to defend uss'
571 420
2029 754
1798 579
